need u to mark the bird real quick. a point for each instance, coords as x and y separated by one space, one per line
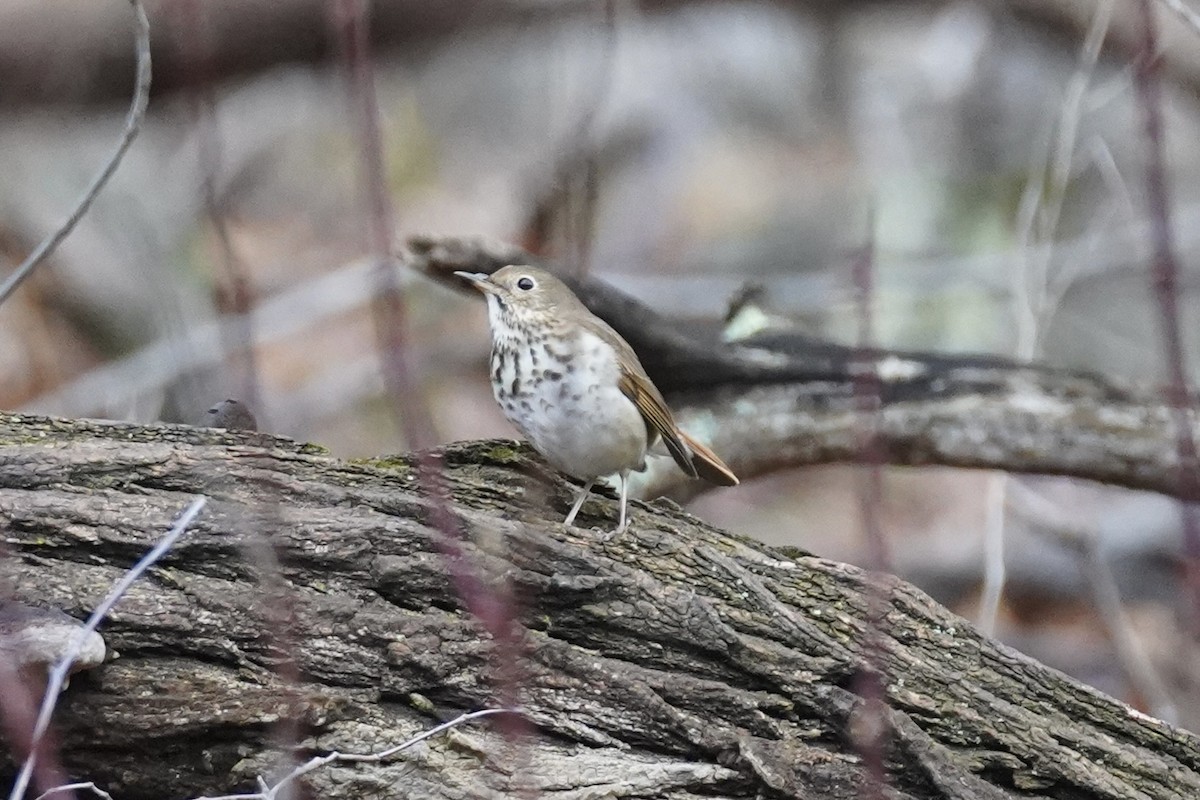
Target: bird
576 390
230 414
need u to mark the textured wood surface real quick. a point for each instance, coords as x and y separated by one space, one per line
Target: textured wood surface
676 661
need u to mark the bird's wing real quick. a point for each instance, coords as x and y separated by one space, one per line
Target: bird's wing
696 460
659 421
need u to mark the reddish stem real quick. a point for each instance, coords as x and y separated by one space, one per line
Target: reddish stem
870 730
18 716
492 607
1165 280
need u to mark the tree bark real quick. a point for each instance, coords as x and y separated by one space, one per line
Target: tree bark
673 661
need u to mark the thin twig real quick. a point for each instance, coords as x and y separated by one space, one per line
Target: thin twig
278 612
1078 262
491 604
233 289
1035 294
1165 280
299 310
1189 17
868 390
315 763
293 313
58 673
995 572
70 787
1045 194
18 714
868 725
572 196
133 123
1139 669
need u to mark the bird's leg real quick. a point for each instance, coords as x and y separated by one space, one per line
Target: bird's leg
623 475
579 501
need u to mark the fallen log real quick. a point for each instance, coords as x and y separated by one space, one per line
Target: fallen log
312 607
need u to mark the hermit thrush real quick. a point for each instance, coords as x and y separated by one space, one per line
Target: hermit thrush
575 388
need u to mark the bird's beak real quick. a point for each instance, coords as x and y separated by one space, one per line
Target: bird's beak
480 281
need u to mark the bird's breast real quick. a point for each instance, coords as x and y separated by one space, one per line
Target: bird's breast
562 392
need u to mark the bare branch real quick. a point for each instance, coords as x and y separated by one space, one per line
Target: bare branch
1027 428
1165 283
70 787
1187 15
60 670
315 763
490 603
868 401
1035 294
995 571
1042 201
233 289
133 123
278 318
1135 663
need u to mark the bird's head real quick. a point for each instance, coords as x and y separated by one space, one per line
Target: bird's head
520 291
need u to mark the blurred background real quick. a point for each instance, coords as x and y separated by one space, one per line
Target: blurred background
993 151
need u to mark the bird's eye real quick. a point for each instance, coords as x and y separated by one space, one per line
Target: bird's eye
525 284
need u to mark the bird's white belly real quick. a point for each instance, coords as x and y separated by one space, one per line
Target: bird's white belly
573 411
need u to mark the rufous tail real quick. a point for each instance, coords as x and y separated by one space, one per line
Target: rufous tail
708 465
